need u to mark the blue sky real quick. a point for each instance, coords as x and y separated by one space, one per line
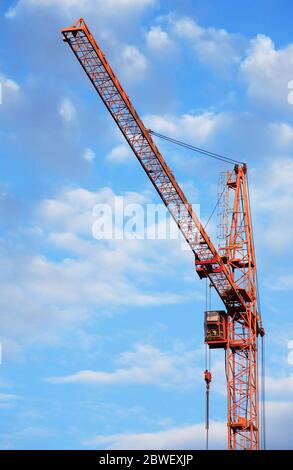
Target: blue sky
102 341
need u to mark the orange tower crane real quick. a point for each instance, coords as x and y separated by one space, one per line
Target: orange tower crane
231 271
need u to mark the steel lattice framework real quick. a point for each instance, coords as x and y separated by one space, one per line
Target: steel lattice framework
232 276
242 329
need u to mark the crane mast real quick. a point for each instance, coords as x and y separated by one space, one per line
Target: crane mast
232 274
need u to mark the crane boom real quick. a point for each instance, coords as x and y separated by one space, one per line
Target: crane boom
239 297
138 137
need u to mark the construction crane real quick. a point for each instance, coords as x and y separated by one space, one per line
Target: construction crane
230 270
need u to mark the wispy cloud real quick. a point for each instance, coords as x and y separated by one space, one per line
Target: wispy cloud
217 48
65 290
195 128
144 365
120 154
181 437
159 40
88 155
279 416
7 400
71 7
67 111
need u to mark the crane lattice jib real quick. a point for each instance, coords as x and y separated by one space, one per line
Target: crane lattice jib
138 137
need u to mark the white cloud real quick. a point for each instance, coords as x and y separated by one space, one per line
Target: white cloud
119 154
75 7
133 63
22 4
146 364
53 295
9 84
282 283
67 111
279 418
215 47
88 155
280 386
194 128
7 400
181 437
275 185
24 436
8 88
272 202
188 28
158 40
282 133
268 70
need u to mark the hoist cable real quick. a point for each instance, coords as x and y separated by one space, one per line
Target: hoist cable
207 418
210 308
202 151
206 345
208 376
263 392
207 385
